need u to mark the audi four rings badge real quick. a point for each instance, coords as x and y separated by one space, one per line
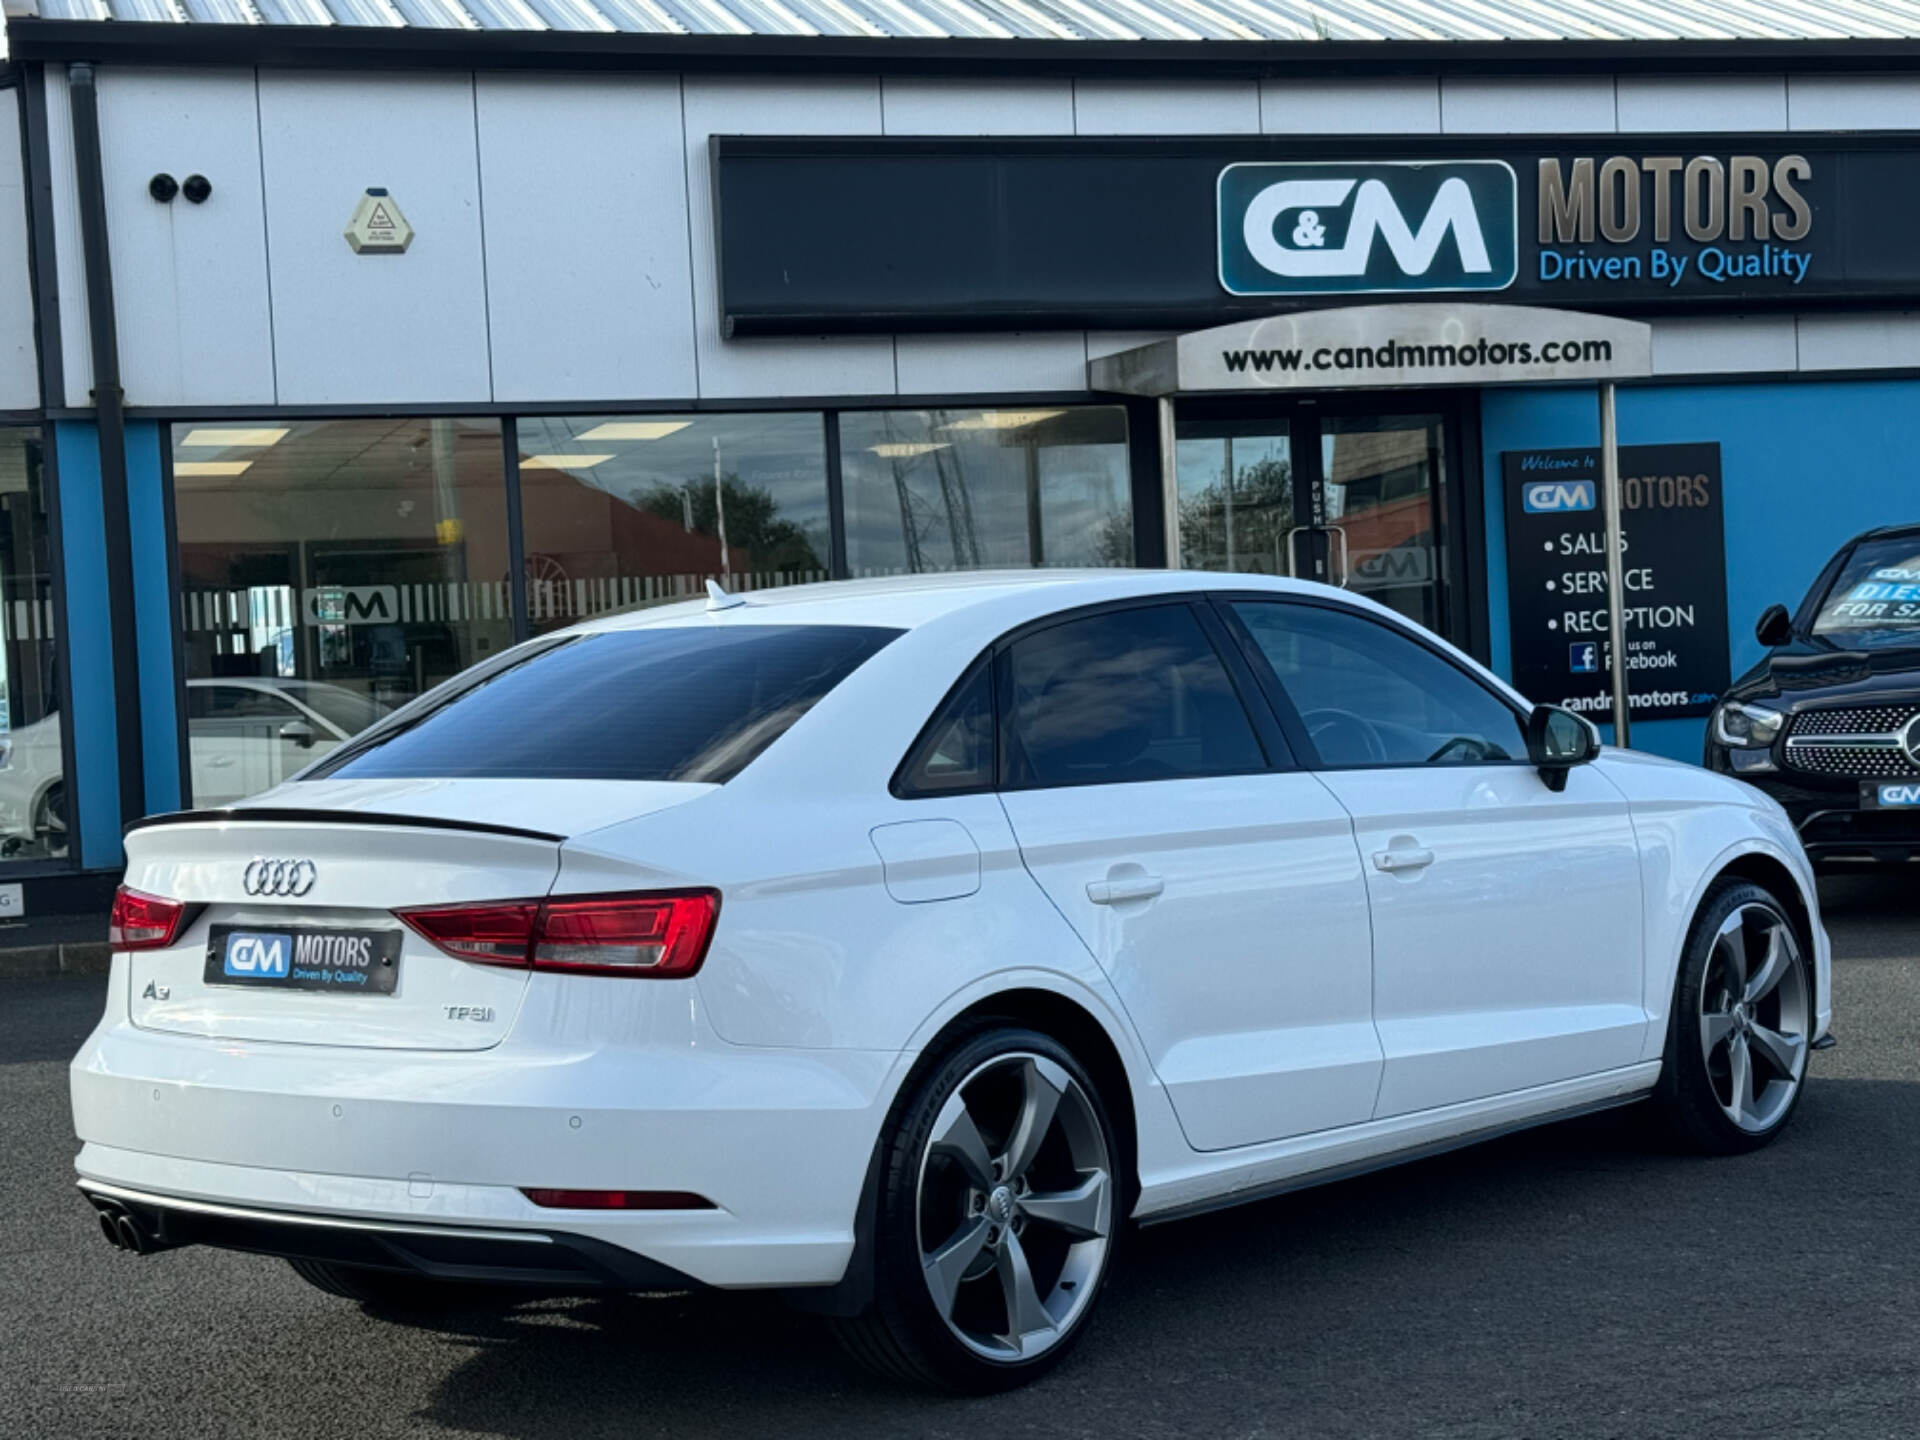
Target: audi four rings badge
278 877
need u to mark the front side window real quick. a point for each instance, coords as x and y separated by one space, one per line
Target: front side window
1123 696
971 489
1369 696
694 703
1874 602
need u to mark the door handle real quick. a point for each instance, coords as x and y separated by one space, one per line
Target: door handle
1412 857
1132 887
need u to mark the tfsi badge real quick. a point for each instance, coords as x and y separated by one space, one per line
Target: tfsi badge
1357 227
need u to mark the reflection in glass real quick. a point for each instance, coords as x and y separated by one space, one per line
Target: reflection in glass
971 489
1383 474
329 570
1236 498
33 799
621 511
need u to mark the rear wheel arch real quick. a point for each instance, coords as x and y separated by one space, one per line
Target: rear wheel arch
1049 1012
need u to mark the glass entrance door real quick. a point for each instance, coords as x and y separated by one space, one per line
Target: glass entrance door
1352 498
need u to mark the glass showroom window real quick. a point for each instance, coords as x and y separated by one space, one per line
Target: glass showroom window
33 796
968 489
330 570
620 511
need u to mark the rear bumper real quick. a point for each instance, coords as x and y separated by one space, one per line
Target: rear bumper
546 1260
778 1141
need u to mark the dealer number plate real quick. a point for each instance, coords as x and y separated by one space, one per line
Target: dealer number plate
361 962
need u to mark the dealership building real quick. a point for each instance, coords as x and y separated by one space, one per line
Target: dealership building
345 342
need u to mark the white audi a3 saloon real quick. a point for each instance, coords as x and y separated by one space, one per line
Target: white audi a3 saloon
897 944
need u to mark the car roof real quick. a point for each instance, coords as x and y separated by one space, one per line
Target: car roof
1887 532
907 602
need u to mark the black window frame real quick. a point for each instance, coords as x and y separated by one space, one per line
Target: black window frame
1288 713
900 785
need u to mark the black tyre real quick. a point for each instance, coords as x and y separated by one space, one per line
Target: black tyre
1002 1190
1741 1025
392 1292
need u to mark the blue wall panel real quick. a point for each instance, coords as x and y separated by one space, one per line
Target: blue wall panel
1806 466
153 617
94 767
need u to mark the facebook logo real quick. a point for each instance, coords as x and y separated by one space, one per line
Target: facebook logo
1583 657
1545 497
258 956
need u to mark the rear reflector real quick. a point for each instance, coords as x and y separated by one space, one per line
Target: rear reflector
663 936
619 1200
144 922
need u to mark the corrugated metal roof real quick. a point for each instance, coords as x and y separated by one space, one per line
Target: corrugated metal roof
1428 20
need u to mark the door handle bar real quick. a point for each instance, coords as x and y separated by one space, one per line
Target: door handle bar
1112 892
1415 858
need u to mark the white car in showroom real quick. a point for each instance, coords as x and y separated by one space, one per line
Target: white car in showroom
897 943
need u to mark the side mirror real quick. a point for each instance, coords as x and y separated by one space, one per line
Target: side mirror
1774 627
297 733
1558 740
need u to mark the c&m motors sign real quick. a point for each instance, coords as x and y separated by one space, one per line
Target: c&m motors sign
1347 228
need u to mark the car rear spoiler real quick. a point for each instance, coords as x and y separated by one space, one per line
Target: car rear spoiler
274 815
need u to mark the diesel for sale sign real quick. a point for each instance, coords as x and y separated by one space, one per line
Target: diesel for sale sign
1673 565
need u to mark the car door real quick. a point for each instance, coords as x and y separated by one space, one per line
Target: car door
1218 886
242 739
1506 916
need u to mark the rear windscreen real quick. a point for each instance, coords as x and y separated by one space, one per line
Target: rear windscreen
690 703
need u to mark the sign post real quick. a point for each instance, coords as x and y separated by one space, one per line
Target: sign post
1616 569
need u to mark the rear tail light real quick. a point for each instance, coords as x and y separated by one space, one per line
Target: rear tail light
661 936
144 922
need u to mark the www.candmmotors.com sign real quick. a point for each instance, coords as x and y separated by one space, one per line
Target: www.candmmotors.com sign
1418 343
1344 228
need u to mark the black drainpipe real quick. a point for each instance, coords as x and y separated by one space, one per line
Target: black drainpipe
111 421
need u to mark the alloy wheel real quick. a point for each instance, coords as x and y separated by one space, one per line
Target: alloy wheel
1015 1207
1754 1018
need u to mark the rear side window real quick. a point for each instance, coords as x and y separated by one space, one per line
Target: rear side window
955 752
694 703
1121 696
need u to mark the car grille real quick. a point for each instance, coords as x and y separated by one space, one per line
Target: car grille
1880 757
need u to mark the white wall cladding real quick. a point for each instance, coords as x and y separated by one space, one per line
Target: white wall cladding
589 275
958 107
838 366
548 270
1853 102
1551 105
19 358
1754 103
1142 107
1724 345
70 279
1859 342
1395 106
189 281
361 329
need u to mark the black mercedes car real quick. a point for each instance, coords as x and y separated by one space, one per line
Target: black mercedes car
1829 723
